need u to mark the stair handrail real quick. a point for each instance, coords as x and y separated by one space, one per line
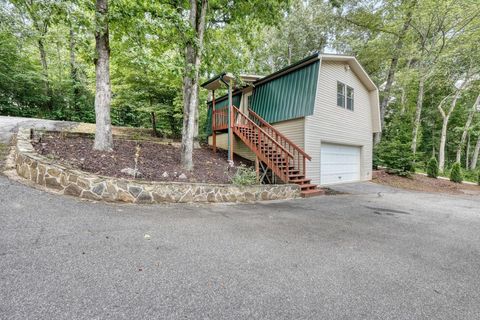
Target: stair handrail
268 125
264 132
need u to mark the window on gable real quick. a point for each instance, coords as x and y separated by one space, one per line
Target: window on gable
340 94
349 98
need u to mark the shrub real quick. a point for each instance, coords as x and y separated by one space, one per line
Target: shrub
478 177
245 176
456 173
394 151
432 168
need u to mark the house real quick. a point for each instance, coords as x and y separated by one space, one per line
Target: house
310 123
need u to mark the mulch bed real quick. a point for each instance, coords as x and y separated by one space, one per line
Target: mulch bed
155 158
423 183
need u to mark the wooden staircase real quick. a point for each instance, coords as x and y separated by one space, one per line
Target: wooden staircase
286 160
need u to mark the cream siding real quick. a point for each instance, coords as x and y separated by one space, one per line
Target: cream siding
333 124
239 147
292 129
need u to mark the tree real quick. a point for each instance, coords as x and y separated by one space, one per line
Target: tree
394 151
193 52
467 126
432 168
393 65
103 128
40 14
456 173
446 117
473 163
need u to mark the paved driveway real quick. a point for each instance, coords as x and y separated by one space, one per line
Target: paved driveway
375 254
8 125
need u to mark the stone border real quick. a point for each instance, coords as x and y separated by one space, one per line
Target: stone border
44 172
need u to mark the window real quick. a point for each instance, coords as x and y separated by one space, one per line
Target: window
350 98
340 94
344 96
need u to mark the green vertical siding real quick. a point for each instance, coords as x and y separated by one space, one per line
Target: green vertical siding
218 105
287 97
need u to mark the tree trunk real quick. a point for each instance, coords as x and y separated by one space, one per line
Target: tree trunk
446 118
153 119
193 53
418 114
473 163
196 142
103 129
471 113
467 153
393 68
46 80
74 72
443 141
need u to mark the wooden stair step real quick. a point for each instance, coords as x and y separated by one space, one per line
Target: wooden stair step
301 181
297 176
308 186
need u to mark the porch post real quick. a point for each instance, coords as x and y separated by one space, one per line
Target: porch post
230 122
214 122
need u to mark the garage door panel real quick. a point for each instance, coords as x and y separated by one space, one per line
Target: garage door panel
339 163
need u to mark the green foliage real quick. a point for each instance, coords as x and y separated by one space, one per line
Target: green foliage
256 36
244 176
394 152
478 177
432 168
456 173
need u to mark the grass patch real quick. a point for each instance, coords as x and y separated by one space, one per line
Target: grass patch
469 175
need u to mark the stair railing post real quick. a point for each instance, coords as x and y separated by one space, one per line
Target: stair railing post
257 168
304 167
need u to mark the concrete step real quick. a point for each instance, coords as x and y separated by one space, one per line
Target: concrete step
312 193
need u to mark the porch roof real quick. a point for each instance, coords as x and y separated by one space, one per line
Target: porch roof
216 82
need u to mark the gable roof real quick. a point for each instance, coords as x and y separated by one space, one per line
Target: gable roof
215 82
354 65
357 68
219 80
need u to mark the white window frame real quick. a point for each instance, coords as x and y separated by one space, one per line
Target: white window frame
343 94
352 98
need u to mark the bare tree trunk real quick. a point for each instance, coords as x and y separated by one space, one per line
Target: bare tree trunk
46 80
418 113
471 113
443 141
103 129
193 53
153 119
196 142
73 72
393 68
467 153
473 163
446 118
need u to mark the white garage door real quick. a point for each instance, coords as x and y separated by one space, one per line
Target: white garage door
339 163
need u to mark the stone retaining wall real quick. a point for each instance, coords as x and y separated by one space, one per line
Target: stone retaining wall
43 171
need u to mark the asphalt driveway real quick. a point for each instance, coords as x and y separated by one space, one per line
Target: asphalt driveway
375 254
9 125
